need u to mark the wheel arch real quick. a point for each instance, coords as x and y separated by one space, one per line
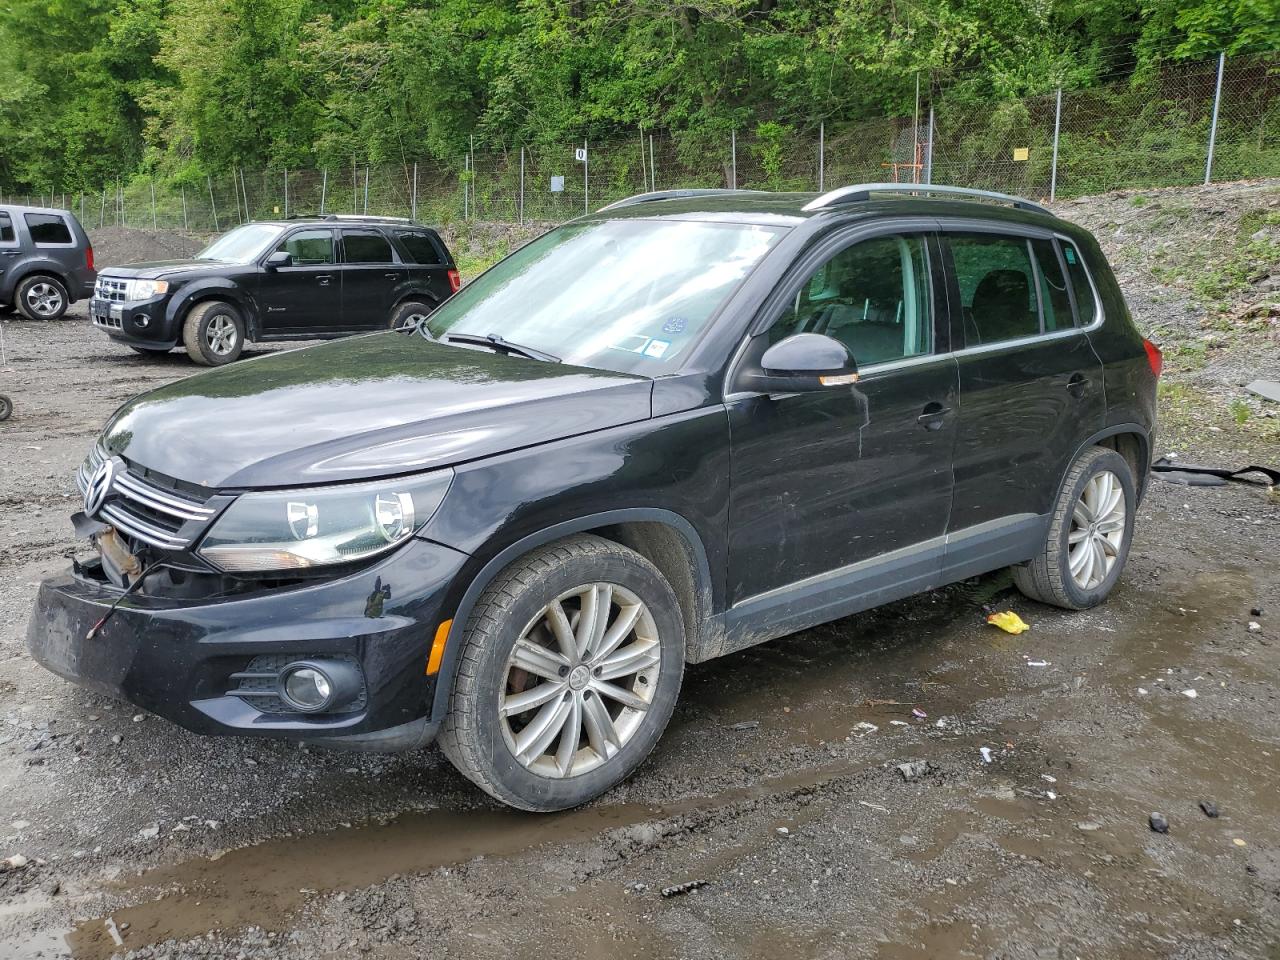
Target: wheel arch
179 307
664 538
1131 441
39 268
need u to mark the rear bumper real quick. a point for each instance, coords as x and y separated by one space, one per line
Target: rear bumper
175 658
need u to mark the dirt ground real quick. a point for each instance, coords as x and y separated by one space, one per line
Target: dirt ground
773 819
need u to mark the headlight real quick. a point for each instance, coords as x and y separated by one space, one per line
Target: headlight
321 526
146 289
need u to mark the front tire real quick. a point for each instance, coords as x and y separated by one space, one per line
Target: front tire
570 667
1089 534
213 333
41 297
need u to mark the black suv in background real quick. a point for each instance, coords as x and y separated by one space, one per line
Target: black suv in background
667 431
305 278
46 261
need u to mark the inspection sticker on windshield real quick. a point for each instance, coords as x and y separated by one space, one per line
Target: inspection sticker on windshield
675 325
656 348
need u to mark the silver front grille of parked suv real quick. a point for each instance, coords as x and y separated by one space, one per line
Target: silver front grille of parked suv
140 508
110 288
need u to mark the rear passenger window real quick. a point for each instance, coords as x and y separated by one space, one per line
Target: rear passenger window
1055 302
1086 302
997 287
419 247
873 297
48 228
366 248
6 229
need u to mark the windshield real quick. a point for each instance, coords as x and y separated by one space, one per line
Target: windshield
241 245
624 295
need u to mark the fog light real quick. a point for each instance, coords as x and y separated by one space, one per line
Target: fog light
311 686
141 321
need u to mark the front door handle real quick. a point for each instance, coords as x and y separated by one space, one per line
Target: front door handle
392 276
931 417
1077 385
9 253
323 279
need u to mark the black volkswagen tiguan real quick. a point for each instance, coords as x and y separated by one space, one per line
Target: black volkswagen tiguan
686 424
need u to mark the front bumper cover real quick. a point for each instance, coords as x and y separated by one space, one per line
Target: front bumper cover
174 658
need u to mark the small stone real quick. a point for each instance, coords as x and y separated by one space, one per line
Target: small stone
117 739
783 832
139 717
1190 694
15 862
1255 612
52 887
1159 823
1088 826
149 833
1254 626
1210 809
914 769
21 824
1238 842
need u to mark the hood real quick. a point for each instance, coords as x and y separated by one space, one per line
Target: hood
155 269
363 408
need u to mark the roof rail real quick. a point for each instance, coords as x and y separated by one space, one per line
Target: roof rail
863 191
674 195
364 216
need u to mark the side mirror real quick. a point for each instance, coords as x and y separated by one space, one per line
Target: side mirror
801 363
279 259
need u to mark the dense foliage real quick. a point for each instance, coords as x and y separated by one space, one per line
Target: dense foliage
93 88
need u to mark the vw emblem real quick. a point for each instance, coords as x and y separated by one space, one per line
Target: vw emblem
100 485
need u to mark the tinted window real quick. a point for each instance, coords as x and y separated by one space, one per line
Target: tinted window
1086 302
47 228
1055 302
241 245
997 287
366 248
6 229
309 247
873 297
419 247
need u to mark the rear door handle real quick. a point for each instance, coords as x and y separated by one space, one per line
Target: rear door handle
392 276
1077 385
9 253
324 279
931 417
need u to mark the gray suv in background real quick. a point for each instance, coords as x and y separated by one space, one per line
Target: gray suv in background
46 262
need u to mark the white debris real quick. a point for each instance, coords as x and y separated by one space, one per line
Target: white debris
1190 694
986 754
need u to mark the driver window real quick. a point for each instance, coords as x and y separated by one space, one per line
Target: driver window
309 247
874 297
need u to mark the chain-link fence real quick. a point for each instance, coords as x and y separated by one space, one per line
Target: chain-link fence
1188 123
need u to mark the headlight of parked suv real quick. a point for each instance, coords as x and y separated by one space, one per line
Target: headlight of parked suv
322 526
146 289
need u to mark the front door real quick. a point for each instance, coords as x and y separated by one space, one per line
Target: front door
371 278
839 495
306 294
1031 391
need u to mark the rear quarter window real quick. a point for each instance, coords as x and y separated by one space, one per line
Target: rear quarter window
420 247
1086 301
48 228
7 234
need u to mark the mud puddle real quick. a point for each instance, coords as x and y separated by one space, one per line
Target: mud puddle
264 884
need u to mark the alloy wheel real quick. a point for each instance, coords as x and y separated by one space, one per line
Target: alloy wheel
1097 530
221 335
44 299
580 680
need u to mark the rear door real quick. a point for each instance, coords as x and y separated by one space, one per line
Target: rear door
371 275
1031 391
837 495
10 251
307 294
428 268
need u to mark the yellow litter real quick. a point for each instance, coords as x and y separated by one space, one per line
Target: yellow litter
1008 621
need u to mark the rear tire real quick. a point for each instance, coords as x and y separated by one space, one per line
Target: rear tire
6 408
41 297
409 316
213 333
599 689
1089 535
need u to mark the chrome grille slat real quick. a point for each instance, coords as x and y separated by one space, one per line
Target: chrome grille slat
111 288
161 501
134 526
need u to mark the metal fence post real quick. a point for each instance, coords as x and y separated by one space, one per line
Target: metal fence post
153 204
822 144
213 206
413 204
366 189
324 188
182 188
522 184
653 170
286 193
466 187
1213 125
1053 169
471 165
244 186
586 160
733 159
928 150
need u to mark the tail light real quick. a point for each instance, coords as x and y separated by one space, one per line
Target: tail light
88 257
455 281
1154 357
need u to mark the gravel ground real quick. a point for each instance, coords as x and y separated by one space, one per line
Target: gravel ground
774 818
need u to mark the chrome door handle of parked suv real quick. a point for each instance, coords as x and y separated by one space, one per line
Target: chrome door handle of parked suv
931 418
1077 384
324 279
392 276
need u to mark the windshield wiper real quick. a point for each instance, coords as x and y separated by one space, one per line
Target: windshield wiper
499 343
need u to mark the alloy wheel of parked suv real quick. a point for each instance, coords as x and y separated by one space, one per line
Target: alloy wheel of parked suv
571 665
213 333
42 298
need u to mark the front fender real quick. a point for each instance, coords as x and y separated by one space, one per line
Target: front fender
212 288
